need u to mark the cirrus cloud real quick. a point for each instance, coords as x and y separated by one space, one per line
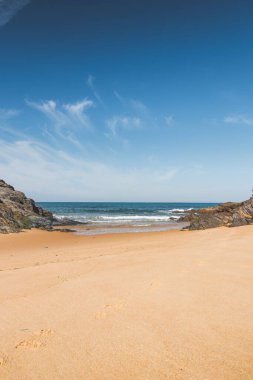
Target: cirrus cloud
50 174
238 119
70 114
8 9
117 123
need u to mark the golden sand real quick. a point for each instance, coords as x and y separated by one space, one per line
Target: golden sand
163 305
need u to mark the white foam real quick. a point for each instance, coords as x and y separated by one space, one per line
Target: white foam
125 218
119 218
173 214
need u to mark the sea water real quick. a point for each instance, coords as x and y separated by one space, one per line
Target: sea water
122 216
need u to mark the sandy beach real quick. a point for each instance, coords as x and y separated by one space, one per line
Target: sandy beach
160 305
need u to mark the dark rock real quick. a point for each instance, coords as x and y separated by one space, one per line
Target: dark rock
67 222
18 212
65 230
227 214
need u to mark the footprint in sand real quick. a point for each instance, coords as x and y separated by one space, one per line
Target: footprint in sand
101 315
109 309
45 332
33 342
62 278
3 359
30 343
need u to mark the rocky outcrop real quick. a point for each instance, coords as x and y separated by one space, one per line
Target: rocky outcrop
18 212
226 214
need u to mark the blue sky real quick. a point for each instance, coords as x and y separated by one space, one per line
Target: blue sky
127 100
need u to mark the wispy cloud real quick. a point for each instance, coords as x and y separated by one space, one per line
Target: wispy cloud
8 9
66 119
135 105
31 166
49 109
65 114
119 97
117 123
140 115
92 86
77 111
139 107
169 120
31 161
238 119
6 114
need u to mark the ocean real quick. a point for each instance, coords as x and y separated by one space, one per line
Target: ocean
122 216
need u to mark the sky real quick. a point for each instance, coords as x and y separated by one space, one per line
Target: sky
127 100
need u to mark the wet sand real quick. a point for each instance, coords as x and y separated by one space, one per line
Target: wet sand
160 305
104 229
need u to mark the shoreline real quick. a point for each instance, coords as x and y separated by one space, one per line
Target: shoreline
156 305
104 229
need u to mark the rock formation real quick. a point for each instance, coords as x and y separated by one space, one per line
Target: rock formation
226 214
18 212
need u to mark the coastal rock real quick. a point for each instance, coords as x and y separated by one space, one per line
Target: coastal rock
18 212
227 214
